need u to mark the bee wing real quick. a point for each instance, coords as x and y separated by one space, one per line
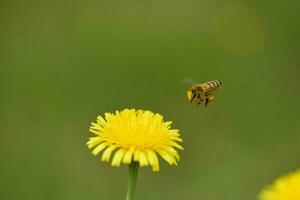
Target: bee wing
189 81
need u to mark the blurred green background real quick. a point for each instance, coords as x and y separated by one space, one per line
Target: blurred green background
64 62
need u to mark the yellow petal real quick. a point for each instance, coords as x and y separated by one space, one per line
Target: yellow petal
168 123
128 156
155 168
143 159
94 131
108 117
174 132
174 153
171 151
107 153
174 144
177 139
99 148
153 160
118 157
170 159
94 138
95 126
93 141
158 118
101 121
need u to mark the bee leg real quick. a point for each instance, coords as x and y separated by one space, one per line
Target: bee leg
200 100
208 99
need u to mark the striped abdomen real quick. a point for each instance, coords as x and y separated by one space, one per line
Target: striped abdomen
211 85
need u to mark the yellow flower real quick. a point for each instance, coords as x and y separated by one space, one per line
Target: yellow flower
135 135
284 188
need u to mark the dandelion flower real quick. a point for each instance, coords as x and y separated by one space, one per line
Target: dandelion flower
284 188
135 136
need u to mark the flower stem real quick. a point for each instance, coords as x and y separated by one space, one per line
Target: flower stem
132 171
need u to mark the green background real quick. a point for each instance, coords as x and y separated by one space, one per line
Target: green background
63 63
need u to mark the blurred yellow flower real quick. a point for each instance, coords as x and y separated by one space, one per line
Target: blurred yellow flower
135 135
284 188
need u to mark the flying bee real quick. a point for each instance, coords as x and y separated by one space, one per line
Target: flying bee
202 92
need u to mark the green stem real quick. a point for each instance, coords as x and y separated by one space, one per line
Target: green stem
133 171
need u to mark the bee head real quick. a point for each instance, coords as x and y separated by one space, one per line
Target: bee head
191 94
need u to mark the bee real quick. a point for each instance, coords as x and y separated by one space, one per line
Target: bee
202 92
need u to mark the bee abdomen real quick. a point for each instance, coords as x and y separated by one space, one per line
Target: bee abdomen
215 83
